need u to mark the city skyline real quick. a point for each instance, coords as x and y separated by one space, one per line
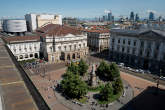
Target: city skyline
83 8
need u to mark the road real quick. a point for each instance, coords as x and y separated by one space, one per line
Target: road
138 84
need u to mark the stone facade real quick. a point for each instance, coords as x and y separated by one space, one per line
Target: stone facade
24 47
64 46
98 40
141 49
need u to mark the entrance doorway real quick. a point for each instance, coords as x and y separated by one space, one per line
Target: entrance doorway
68 57
146 64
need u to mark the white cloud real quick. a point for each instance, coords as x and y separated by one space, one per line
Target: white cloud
148 11
107 11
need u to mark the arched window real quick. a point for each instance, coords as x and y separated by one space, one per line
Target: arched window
68 57
21 57
36 55
73 56
26 55
31 55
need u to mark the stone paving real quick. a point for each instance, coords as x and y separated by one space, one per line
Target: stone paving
124 99
45 87
58 102
138 84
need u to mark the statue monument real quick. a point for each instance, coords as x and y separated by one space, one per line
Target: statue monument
93 79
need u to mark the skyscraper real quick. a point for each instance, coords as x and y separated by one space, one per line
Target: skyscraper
109 16
137 18
132 16
151 16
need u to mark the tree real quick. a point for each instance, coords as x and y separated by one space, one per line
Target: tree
103 69
73 68
114 70
106 93
117 86
73 86
83 67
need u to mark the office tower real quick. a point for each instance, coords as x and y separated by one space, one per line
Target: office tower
151 16
137 18
132 16
109 16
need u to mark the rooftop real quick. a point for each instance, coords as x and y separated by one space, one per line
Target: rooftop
14 39
137 32
58 30
15 95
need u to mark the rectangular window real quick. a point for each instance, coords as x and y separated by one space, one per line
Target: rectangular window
123 49
128 51
119 41
149 45
142 44
65 48
134 51
129 42
123 41
113 40
134 43
141 52
157 46
112 48
118 48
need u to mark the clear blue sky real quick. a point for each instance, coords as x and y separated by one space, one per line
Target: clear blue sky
80 8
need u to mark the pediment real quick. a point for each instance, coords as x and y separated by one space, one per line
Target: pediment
69 35
150 35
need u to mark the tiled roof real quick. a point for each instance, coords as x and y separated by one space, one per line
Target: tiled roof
58 30
98 31
21 38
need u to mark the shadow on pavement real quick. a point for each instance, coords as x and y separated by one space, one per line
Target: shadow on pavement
147 100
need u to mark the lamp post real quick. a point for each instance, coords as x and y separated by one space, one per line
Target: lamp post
157 85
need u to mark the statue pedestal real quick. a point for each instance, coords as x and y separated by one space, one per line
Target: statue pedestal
93 79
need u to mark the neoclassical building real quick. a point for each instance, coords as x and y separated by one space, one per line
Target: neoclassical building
98 40
144 49
62 43
24 47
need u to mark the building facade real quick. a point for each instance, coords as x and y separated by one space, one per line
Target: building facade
70 21
24 48
63 43
35 21
141 49
14 26
98 40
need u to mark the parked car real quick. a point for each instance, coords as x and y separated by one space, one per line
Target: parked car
162 77
121 65
148 72
137 70
141 71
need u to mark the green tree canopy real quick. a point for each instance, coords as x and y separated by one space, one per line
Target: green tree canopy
103 69
73 86
83 67
115 73
73 68
117 85
106 93
108 72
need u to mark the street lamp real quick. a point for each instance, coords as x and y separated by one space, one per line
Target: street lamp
157 85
